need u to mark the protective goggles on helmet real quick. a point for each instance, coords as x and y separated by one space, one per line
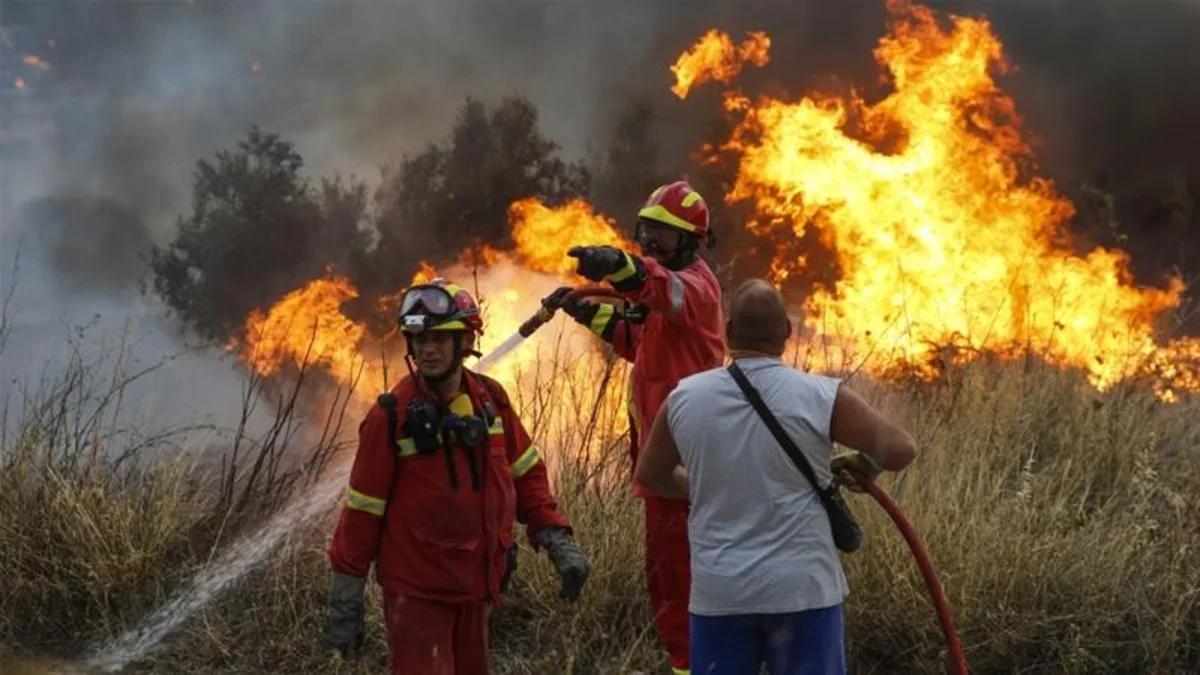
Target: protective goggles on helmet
426 306
435 300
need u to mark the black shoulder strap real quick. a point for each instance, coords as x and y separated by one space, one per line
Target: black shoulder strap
388 401
780 435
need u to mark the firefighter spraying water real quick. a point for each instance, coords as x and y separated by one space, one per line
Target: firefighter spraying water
669 327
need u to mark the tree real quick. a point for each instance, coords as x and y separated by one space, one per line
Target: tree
256 231
456 193
629 170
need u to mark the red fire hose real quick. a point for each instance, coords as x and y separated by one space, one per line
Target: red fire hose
544 314
957 663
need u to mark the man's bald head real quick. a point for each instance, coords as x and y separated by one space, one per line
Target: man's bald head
758 318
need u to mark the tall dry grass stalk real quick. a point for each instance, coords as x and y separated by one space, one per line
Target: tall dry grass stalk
1063 524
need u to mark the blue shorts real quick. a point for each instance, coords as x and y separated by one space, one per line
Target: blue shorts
809 642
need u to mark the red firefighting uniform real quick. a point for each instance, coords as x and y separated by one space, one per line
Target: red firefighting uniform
682 335
440 553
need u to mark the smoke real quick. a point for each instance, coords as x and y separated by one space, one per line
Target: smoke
137 92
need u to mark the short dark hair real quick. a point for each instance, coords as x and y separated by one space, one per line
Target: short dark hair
757 318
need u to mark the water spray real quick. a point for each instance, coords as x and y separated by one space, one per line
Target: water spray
540 318
247 553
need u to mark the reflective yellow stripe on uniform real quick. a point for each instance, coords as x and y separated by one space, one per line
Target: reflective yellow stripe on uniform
604 314
681 671
625 272
525 462
363 502
676 294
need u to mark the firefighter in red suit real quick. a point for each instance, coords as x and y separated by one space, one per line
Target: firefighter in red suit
672 327
443 468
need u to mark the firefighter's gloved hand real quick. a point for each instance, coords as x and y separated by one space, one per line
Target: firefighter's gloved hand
857 462
344 614
568 559
597 262
580 310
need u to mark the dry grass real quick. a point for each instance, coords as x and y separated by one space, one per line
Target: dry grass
1062 523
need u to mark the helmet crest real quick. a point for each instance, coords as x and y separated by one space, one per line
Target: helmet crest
679 206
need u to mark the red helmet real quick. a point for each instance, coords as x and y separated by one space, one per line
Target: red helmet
439 305
678 205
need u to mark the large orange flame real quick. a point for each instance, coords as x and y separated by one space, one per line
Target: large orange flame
938 239
544 235
308 326
714 58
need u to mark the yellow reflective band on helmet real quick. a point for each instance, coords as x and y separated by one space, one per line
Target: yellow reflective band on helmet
525 462
661 214
624 273
681 671
364 502
604 314
450 325
691 198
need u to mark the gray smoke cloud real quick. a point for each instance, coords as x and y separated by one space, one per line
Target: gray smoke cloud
137 91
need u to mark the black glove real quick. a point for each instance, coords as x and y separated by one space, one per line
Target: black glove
568 559
344 614
580 310
597 262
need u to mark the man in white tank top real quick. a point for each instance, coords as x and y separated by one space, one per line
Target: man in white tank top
767 581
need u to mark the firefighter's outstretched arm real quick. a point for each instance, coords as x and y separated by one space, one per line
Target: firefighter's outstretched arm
641 279
356 538
547 528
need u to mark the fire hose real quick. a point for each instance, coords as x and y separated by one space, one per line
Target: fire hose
957 662
544 314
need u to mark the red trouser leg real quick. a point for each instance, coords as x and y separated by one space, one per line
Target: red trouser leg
668 574
436 638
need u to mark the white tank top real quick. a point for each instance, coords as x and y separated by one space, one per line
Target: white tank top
760 538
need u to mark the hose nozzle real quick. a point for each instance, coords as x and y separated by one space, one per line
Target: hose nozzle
539 319
545 313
